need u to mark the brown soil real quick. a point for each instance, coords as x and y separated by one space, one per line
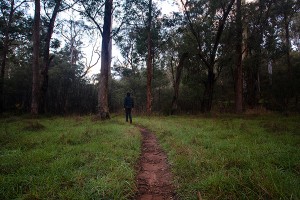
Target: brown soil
154 178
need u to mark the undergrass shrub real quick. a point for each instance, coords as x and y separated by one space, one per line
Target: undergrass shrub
231 156
68 158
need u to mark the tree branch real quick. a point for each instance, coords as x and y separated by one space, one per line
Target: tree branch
90 65
200 54
219 32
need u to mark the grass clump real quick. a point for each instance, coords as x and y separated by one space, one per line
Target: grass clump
231 157
67 158
33 126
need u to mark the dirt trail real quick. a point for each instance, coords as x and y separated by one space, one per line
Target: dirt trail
154 178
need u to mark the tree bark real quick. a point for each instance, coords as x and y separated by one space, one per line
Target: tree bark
251 84
35 64
46 59
105 62
287 43
291 90
239 53
176 83
206 103
149 62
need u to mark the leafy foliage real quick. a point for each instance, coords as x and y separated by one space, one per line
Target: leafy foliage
269 81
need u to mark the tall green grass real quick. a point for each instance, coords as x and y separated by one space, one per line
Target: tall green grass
229 157
232 157
67 158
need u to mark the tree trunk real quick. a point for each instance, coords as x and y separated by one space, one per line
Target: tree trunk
206 103
239 70
250 79
287 43
291 90
35 64
149 62
176 83
47 59
252 73
105 62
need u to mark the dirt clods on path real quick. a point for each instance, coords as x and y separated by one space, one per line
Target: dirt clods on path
154 178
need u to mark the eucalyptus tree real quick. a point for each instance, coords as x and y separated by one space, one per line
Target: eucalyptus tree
269 24
13 22
286 11
151 28
52 8
133 38
40 79
141 43
149 59
175 53
176 78
36 52
239 54
136 45
206 21
73 32
256 17
101 14
286 18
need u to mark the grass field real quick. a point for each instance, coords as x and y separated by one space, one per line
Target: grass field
67 158
227 157
232 157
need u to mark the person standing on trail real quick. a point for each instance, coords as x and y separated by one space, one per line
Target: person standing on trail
128 105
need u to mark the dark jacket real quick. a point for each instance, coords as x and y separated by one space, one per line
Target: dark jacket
128 102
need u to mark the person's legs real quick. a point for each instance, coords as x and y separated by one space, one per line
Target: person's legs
126 113
130 117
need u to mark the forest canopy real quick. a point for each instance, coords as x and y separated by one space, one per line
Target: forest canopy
223 56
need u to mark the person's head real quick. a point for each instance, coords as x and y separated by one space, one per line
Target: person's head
128 94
